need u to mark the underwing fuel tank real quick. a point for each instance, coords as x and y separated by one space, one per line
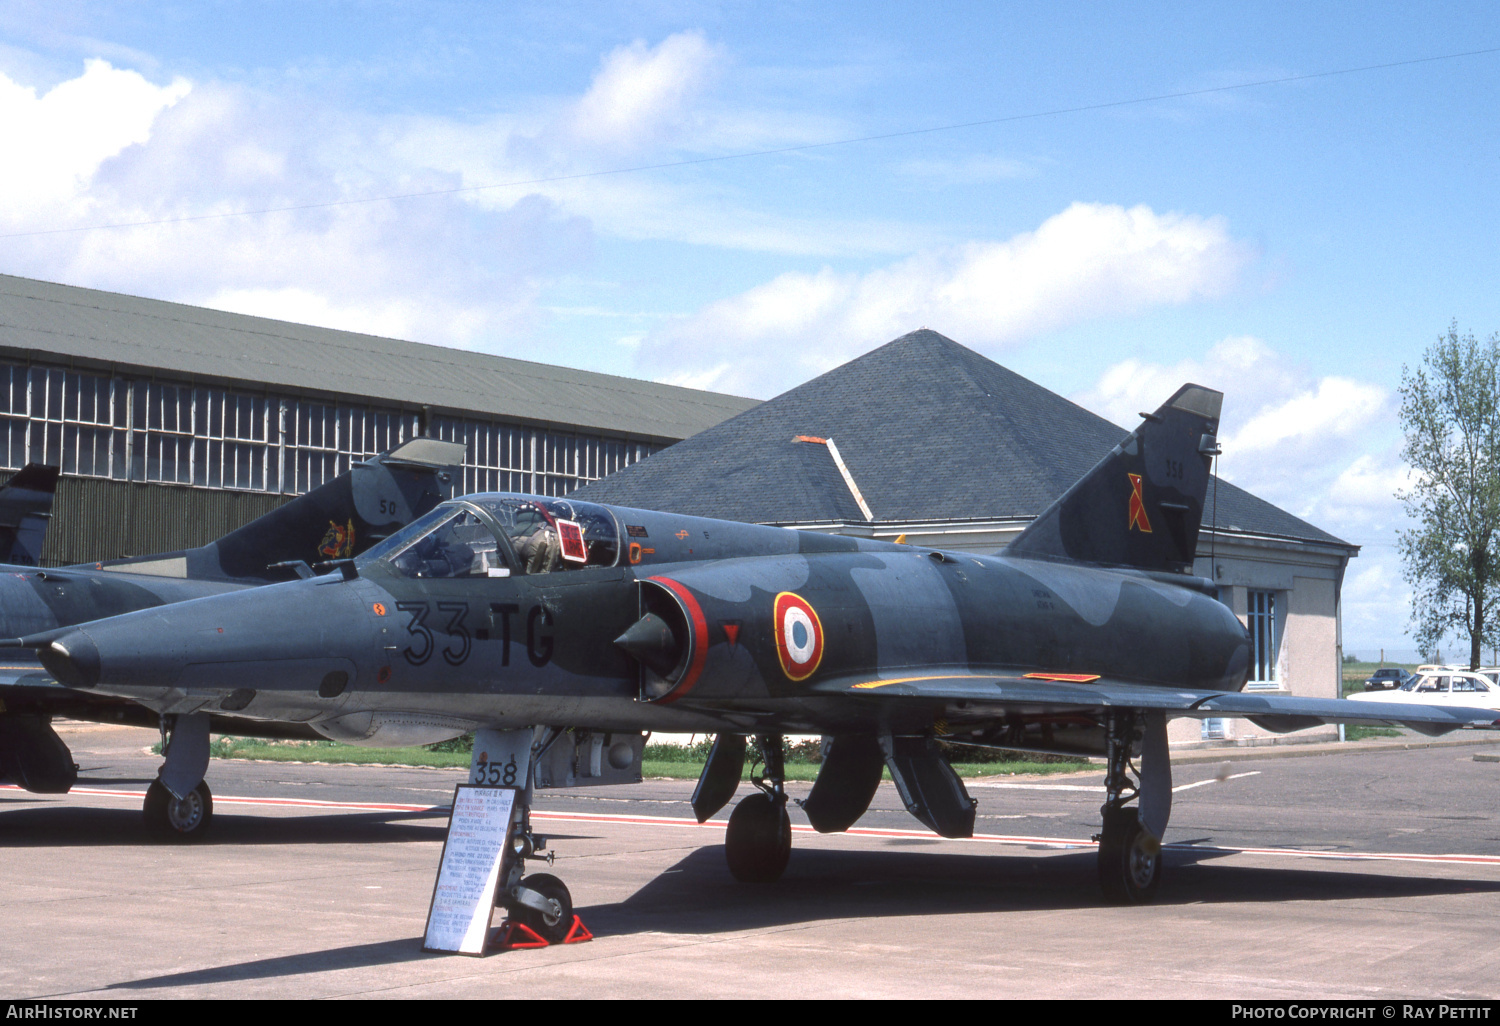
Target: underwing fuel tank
284 651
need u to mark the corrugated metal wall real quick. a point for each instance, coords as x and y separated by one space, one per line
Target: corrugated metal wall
94 518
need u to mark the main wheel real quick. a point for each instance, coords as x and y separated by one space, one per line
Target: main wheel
758 842
1129 859
553 927
169 818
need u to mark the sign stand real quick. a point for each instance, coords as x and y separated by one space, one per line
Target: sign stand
463 896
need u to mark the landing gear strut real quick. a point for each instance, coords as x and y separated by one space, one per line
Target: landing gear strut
1129 855
179 805
539 900
758 842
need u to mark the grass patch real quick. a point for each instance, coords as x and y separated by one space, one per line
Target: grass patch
333 751
672 761
680 770
1356 732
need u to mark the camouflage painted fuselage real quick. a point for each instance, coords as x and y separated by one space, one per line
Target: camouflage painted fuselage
382 658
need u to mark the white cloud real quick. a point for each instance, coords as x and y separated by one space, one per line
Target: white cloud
56 141
109 146
641 94
435 270
1091 260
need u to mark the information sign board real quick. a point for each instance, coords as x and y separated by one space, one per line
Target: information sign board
463 899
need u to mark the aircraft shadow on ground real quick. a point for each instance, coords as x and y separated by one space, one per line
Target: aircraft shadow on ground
70 827
355 956
698 895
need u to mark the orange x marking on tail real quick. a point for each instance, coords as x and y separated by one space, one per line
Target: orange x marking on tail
1138 518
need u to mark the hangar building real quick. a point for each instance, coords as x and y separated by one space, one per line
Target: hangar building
175 424
927 439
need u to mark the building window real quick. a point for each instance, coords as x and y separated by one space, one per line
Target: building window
507 458
232 441
159 431
1261 620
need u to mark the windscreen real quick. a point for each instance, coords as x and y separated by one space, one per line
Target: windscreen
551 535
448 542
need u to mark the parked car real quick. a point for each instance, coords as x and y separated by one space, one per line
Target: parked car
1448 687
1387 678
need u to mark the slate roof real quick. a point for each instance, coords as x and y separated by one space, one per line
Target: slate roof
929 430
110 330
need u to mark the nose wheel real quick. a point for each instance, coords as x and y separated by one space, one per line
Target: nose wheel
543 903
169 818
758 843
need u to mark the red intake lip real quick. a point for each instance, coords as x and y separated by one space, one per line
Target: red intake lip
698 624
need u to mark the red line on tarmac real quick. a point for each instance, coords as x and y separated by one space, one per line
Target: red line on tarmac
719 824
296 803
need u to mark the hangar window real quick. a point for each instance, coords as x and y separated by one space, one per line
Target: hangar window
509 458
231 440
72 420
98 425
1261 621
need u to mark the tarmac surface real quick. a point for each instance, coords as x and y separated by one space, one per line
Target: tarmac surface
1366 872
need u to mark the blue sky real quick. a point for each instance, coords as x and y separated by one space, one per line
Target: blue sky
1294 244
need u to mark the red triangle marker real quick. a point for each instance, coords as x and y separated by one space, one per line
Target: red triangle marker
528 938
732 632
578 933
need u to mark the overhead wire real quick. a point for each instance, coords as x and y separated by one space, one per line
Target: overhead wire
747 154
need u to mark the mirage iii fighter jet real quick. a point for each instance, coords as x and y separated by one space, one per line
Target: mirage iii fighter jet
575 627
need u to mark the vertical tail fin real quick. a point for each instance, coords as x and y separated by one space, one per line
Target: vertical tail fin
1142 505
25 508
345 516
336 520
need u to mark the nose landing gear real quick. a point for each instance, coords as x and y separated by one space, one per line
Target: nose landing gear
758 843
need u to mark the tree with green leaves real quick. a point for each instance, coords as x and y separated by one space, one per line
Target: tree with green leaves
1450 414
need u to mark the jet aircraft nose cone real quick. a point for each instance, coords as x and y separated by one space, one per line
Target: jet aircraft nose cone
73 659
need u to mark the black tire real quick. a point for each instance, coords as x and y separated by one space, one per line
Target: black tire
169 818
1129 859
758 843
551 928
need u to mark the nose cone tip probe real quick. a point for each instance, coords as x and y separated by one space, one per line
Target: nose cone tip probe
73 659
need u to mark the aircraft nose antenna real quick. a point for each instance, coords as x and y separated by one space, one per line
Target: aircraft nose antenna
73 659
651 642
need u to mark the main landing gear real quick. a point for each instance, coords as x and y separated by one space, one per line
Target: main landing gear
170 818
1130 843
179 806
758 843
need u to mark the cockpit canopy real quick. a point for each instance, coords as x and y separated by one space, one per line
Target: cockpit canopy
494 535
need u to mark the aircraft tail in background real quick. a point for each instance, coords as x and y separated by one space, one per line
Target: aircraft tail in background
25 509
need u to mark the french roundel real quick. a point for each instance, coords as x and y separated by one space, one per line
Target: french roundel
799 636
